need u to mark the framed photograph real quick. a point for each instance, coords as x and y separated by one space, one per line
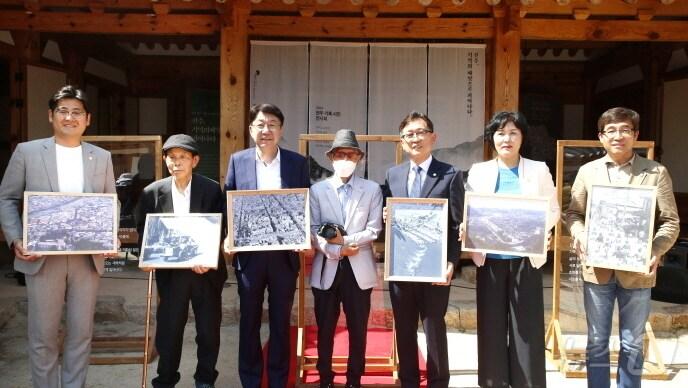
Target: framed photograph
268 220
70 223
181 240
416 239
505 224
619 223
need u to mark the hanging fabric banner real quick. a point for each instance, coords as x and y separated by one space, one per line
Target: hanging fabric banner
279 75
337 97
397 86
456 102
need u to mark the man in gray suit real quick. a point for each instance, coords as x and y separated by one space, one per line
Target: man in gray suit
346 217
62 163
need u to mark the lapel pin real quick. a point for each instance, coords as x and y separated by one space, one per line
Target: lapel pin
434 174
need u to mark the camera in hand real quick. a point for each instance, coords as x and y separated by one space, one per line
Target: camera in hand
329 230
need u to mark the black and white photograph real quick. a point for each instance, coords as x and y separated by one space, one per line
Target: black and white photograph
181 240
416 239
263 220
619 224
70 223
505 224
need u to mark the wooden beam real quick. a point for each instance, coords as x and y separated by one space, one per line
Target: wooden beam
233 84
370 11
351 27
109 23
605 30
507 59
581 13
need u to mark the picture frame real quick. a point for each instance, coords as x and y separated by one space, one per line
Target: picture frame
181 240
268 220
136 162
416 239
619 225
70 223
505 224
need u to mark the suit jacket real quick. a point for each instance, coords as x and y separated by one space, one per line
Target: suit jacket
33 167
643 172
206 197
535 180
363 224
442 181
241 175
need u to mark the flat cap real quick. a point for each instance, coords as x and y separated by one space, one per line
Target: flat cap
182 141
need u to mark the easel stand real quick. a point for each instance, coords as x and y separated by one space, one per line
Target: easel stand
308 363
111 350
571 362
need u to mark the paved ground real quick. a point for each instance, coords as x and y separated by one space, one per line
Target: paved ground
121 312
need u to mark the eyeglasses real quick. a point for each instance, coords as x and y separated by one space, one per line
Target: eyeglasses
180 158
350 155
624 132
271 126
75 114
421 133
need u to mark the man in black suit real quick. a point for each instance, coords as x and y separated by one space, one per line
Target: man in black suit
424 177
185 192
265 167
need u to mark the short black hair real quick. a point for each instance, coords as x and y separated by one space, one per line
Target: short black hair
266 109
68 92
416 116
618 115
500 120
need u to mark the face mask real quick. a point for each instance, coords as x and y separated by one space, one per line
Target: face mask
343 168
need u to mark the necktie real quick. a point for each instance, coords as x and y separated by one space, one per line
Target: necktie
415 186
344 193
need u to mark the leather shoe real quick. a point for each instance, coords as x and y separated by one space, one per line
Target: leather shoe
351 386
326 385
204 385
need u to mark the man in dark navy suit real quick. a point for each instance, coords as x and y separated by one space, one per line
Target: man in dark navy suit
265 167
424 177
182 193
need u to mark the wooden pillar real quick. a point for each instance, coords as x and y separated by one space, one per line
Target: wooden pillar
507 58
27 50
653 67
75 63
233 82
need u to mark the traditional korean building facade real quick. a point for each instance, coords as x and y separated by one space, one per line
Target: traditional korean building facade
563 62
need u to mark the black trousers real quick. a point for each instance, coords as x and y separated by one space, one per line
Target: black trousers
176 288
356 304
274 271
511 328
411 300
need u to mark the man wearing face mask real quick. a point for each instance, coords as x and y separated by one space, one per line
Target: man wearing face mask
346 217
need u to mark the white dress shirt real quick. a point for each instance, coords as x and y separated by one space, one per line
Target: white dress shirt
268 175
181 200
425 165
70 168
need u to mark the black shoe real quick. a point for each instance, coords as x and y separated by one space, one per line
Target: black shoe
326 385
204 385
352 386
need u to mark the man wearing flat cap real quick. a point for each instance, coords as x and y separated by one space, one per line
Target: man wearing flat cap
346 217
181 193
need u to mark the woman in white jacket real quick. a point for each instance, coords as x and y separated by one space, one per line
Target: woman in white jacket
511 348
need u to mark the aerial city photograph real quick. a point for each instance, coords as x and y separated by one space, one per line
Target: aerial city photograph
517 228
76 223
417 237
269 221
